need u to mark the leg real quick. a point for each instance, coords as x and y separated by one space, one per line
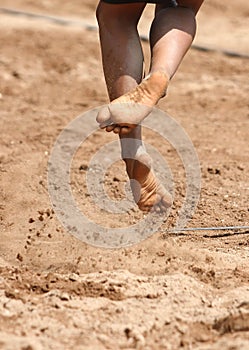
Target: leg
122 54
171 35
123 68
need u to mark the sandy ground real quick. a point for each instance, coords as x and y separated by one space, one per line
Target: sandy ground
171 291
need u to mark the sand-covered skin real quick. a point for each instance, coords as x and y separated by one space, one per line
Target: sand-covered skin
187 291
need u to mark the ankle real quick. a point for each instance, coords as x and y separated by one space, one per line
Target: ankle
159 82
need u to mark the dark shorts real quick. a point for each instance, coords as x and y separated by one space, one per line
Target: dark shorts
134 1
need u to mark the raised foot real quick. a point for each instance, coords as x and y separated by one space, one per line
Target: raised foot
127 111
148 193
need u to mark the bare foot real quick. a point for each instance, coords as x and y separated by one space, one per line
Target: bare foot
148 193
127 111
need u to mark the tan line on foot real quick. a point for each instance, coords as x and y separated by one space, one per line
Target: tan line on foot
146 189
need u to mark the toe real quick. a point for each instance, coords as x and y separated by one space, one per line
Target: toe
116 129
110 128
105 124
125 130
144 208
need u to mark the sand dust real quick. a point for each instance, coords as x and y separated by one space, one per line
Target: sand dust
187 291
